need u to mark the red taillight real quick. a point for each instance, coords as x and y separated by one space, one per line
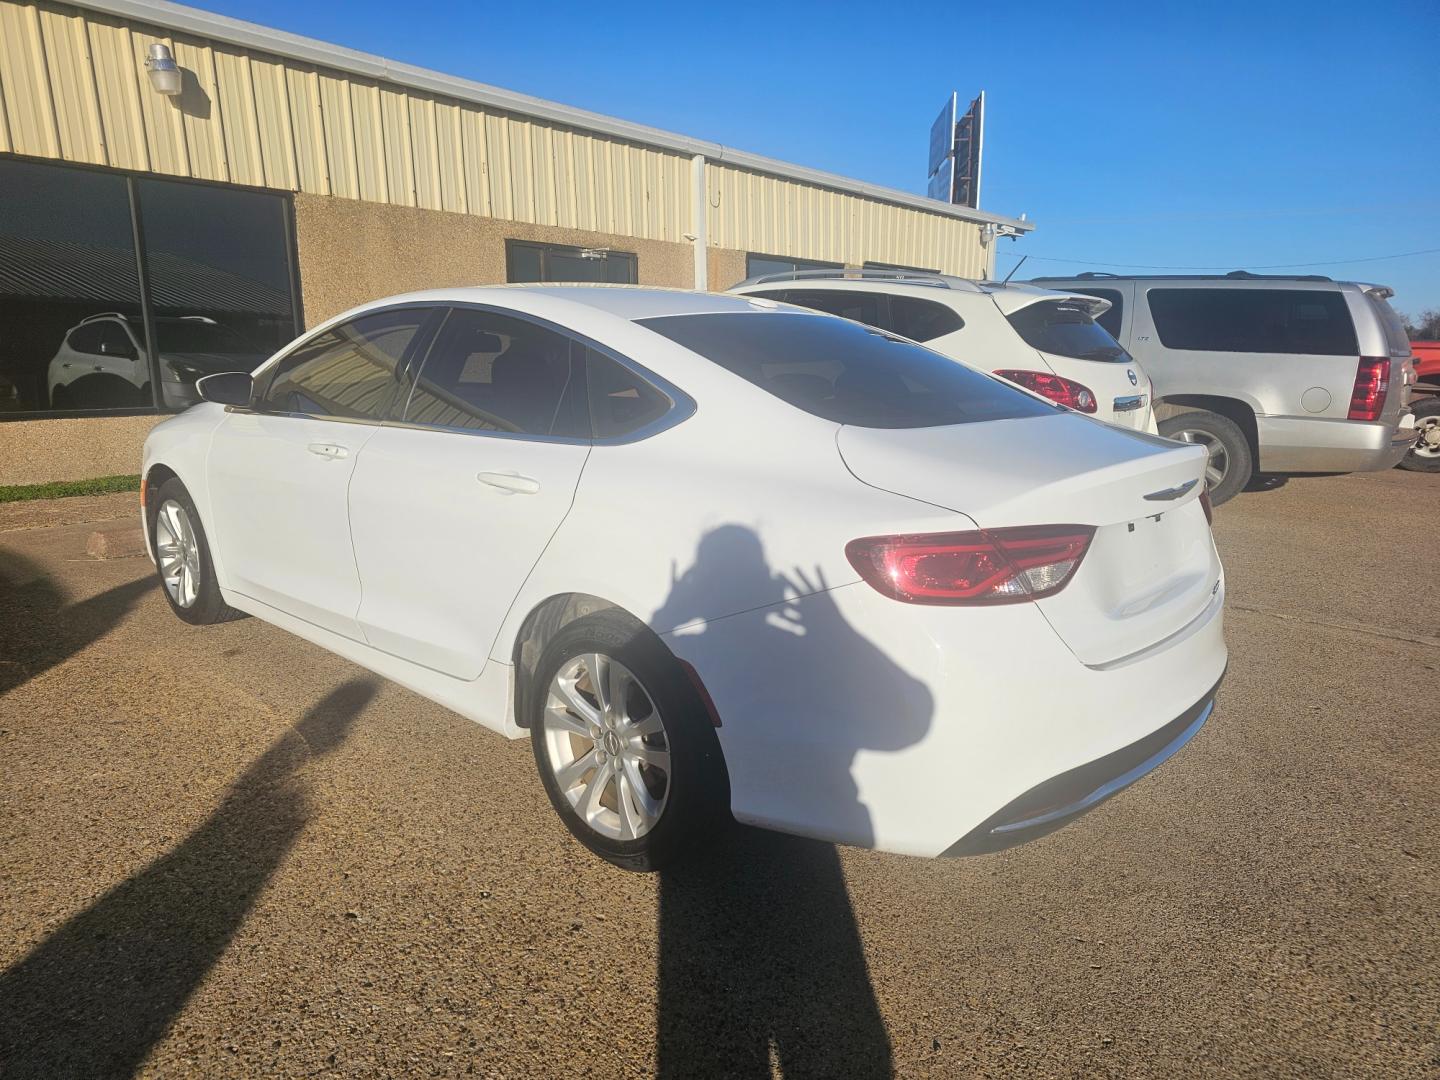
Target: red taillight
986 566
1063 391
1372 381
1209 509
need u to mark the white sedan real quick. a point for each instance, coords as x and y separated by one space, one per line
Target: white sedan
716 556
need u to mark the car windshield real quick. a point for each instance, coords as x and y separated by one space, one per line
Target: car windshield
201 336
847 372
1066 328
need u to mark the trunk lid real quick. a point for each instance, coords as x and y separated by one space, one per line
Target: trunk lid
1151 568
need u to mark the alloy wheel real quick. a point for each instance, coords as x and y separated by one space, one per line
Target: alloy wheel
177 549
1218 464
1427 438
606 746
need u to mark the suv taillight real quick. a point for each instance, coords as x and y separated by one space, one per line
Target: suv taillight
1063 391
986 566
1372 380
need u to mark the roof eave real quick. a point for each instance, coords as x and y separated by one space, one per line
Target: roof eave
206 24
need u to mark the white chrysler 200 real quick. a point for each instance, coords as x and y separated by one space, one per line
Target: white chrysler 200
717 556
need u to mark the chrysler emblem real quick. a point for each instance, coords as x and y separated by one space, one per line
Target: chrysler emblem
1133 380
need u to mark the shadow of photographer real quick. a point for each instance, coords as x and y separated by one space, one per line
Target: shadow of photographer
761 960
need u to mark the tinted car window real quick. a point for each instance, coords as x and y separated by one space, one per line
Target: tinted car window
493 372
1065 328
620 400
1113 319
350 370
863 307
1254 320
86 339
114 341
922 320
847 372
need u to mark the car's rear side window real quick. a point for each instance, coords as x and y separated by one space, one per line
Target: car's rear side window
845 371
922 320
1065 328
1113 318
1305 321
620 400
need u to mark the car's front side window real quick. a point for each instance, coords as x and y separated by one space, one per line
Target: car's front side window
492 372
351 371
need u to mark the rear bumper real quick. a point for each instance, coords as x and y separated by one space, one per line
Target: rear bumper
1317 445
1061 799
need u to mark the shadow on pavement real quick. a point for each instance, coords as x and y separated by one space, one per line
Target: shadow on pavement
760 954
98 993
39 630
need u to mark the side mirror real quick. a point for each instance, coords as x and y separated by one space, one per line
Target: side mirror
227 388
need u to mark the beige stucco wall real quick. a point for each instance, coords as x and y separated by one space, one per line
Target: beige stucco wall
38 451
351 251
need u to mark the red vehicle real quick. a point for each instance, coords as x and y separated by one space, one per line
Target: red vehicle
1424 456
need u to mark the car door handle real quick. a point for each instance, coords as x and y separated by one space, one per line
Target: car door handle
328 449
513 483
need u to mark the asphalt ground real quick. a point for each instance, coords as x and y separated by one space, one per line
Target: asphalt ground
225 852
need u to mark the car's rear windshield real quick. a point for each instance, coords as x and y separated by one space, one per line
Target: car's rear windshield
845 371
1397 341
1066 328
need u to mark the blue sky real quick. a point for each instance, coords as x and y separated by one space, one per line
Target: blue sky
1198 134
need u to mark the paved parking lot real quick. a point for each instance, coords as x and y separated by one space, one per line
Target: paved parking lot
227 853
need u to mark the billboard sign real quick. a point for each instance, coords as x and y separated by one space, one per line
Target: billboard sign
942 153
957 146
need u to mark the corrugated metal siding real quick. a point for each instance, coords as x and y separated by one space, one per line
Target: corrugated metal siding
774 216
73 86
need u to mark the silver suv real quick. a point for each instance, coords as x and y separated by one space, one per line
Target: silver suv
1272 374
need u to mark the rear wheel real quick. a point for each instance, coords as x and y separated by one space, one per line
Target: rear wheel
1230 462
1424 455
182 557
623 744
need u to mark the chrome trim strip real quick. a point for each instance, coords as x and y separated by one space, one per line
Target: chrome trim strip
1134 401
1170 494
1124 780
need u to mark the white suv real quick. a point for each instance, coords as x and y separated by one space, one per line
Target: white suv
1044 340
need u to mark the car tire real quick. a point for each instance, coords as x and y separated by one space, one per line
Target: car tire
1229 450
1424 457
182 557
636 775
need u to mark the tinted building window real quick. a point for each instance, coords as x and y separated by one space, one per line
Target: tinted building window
552 262
847 372
492 372
1254 320
349 371
620 400
219 281
755 265
1066 329
900 267
71 331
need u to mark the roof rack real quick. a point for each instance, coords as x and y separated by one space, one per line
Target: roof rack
842 273
104 315
1233 275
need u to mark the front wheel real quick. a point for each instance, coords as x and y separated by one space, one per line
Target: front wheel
1230 461
624 745
1424 455
182 557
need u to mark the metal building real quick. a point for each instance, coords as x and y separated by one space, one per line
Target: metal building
157 221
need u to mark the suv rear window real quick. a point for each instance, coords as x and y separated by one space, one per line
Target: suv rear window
1113 319
847 372
1304 321
1065 328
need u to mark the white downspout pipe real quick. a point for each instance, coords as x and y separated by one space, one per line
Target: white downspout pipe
701 205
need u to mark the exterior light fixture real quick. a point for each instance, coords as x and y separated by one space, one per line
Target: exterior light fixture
163 71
